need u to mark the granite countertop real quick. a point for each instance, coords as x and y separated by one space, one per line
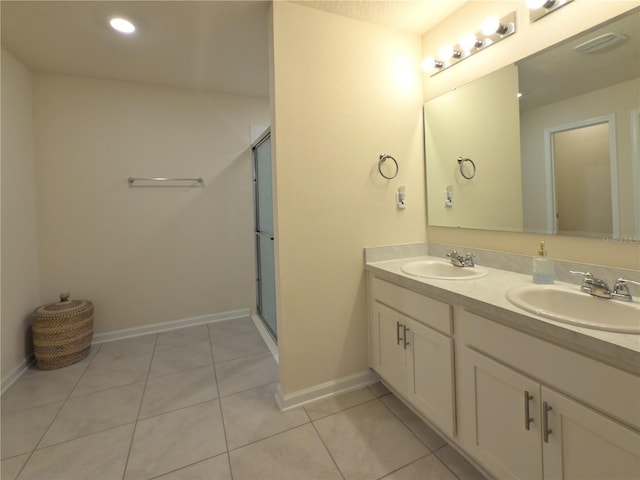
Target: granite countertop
486 296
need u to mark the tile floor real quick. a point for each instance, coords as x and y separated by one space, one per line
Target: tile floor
198 403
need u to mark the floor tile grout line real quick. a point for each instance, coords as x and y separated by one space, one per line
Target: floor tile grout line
5 412
253 332
186 466
135 425
446 464
62 404
263 354
224 428
245 390
241 356
253 442
414 433
102 390
85 435
350 407
173 410
431 452
191 369
315 429
404 466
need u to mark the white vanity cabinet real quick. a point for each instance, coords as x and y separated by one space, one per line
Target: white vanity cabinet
517 424
412 350
389 357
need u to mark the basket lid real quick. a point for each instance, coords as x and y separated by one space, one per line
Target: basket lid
65 305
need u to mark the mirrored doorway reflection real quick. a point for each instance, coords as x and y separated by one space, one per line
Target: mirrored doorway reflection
583 177
264 231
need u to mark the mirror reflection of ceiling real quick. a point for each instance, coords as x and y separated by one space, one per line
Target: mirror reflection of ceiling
562 72
210 45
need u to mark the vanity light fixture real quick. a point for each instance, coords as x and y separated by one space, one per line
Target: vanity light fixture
540 8
492 30
122 25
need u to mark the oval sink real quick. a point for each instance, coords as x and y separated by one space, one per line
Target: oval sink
570 305
441 270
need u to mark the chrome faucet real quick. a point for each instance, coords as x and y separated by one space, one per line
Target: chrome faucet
458 260
593 286
621 290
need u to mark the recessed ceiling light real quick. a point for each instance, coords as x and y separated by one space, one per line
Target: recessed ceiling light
122 25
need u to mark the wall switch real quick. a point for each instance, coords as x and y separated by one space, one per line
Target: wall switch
401 197
448 196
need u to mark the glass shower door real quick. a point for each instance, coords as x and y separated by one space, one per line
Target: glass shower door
265 257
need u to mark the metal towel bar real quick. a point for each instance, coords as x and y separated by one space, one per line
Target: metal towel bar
165 179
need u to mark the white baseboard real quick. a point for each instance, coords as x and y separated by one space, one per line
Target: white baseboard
324 390
171 325
15 374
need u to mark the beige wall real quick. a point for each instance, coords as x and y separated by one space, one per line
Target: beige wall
530 38
617 100
144 255
20 288
345 92
479 121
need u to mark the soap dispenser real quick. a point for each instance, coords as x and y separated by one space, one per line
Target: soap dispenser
542 267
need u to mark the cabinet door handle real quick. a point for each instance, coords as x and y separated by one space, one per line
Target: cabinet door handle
527 417
398 325
546 408
406 342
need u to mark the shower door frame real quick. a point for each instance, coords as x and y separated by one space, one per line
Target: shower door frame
259 300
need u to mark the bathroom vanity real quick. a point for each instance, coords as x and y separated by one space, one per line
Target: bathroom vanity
520 395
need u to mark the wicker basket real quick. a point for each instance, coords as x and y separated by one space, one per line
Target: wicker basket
62 332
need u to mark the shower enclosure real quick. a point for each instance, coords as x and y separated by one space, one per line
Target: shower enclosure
265 270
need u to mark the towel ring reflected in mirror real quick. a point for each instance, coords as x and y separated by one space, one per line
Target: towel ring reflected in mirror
461 162
383 158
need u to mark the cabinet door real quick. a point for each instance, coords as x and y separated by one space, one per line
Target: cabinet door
389 357
584 444
503 438
430 385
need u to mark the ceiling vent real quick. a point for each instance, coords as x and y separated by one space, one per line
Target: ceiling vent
608 40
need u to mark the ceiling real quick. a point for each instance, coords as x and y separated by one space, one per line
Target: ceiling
415 16
211 45
562 72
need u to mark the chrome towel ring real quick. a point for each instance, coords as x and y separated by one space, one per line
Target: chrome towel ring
461 162
383 158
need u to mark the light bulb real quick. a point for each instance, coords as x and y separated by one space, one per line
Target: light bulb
490 25
122 25
535 4
446 52
468 41
429 64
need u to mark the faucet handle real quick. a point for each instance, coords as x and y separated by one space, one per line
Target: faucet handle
452 254
586 280
621 290
586 274
623 281
468 259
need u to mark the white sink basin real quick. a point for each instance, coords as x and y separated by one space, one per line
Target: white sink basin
570 305
442 270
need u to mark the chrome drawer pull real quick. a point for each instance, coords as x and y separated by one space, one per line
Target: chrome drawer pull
527 417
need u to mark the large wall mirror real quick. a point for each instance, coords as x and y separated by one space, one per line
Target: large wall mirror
548 145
